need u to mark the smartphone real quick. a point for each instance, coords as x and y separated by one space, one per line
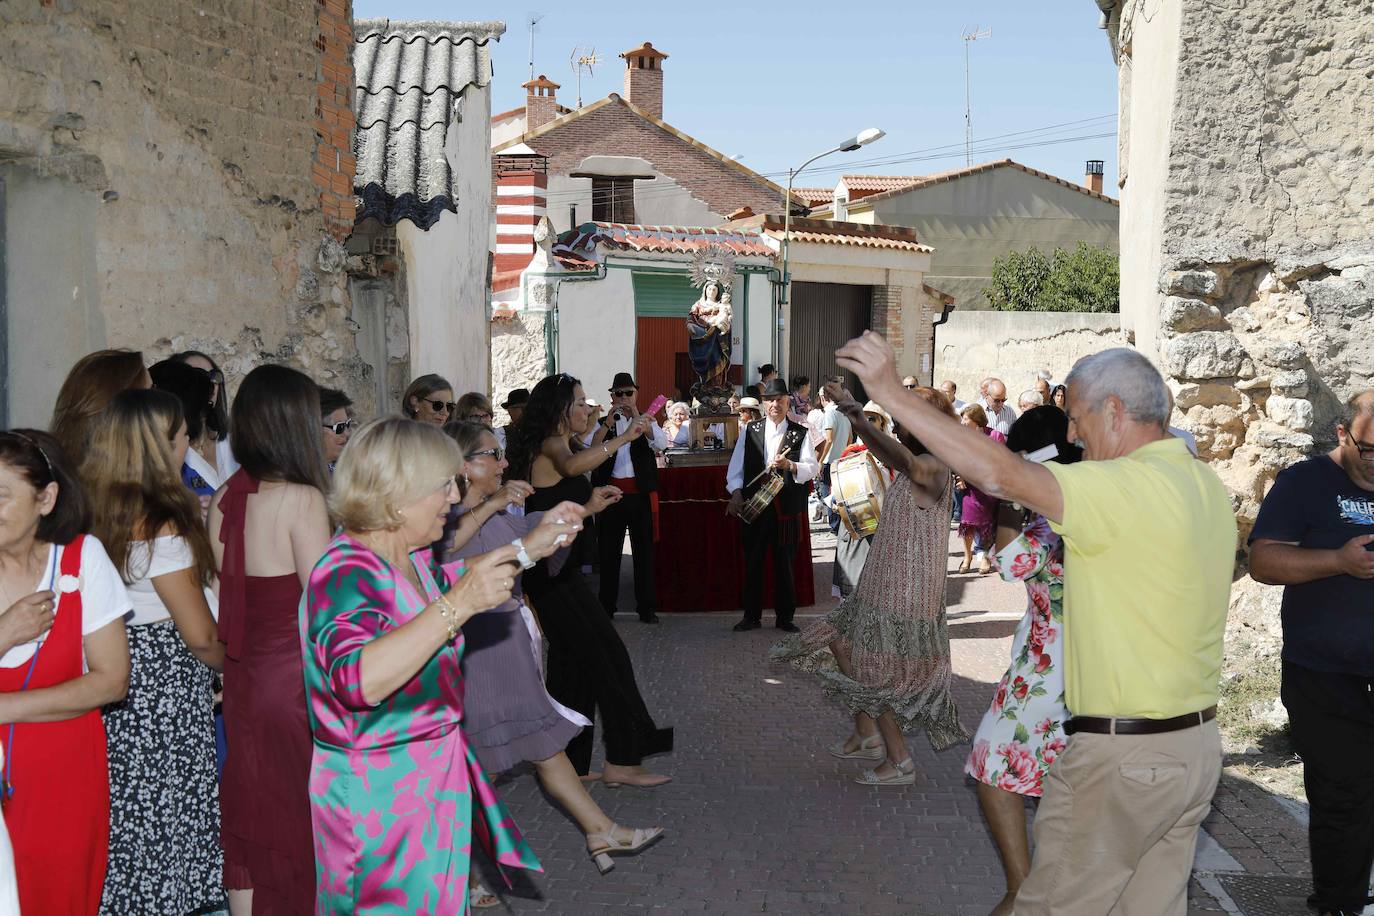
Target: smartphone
656 406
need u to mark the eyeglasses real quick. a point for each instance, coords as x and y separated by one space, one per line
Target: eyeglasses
339 429
1366 451
496 454
436 406
479 415
449 484
624 392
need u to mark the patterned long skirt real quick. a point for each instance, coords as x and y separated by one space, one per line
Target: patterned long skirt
164 796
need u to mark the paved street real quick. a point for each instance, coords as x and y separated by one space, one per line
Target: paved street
762 819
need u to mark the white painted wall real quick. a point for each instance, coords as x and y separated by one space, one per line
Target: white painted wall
446 266
596 330
1148 81
658 202
762 330
507 128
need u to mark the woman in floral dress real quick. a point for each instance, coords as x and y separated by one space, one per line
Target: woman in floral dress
395 791
1022 733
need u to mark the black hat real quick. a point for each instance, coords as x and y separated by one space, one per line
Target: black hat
623 380
776 387
1042 426
518 397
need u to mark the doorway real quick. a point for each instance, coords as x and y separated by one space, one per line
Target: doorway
824 316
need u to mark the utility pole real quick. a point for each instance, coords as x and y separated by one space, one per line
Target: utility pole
532 23
970 36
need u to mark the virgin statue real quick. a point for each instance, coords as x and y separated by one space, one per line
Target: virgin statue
708 336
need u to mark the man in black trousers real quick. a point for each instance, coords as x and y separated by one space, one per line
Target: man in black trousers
783 445
633 469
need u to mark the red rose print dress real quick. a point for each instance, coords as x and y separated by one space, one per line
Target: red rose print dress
1022 733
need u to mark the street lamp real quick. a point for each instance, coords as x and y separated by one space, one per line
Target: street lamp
863 138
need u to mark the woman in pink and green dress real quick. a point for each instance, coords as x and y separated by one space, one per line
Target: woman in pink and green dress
1022 733
396 794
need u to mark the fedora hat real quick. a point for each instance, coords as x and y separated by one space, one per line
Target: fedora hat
775 388
518 397
623 380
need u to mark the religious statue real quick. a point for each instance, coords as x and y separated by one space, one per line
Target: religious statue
708 328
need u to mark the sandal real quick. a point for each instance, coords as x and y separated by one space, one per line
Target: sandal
963 567
601 846
905 776
477 893
870 748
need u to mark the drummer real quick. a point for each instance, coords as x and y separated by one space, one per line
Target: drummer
782 446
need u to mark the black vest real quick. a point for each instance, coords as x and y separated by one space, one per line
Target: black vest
792 498
641 458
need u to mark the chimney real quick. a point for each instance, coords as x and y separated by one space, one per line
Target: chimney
522 181
541 105
1092 176
644 78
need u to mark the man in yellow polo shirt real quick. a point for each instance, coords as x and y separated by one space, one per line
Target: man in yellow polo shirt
1151 541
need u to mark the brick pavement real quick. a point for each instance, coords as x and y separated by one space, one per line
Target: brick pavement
762 819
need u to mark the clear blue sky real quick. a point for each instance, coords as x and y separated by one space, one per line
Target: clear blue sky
780 82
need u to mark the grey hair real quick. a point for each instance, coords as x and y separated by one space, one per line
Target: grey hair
1128 375
676 404
1361 403
1031 396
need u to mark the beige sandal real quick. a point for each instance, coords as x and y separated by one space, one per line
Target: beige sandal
905 776
601 846
870 748
477 893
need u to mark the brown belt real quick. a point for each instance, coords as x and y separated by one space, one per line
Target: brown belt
1098 725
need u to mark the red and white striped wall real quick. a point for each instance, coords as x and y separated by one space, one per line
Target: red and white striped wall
521 201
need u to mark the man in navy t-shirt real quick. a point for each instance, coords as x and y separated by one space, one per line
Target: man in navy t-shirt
1315 537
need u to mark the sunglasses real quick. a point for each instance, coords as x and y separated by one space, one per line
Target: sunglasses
436 406
624 392
339 429
495 453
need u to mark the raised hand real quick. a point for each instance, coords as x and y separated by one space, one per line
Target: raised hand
603 497
557 529
870 357
513 493
843 398
486 584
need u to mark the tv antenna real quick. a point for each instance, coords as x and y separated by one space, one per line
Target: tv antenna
532 23
970 36
583 57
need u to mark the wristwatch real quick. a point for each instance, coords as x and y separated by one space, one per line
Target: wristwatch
521 555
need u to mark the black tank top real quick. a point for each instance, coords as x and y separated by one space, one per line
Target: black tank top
575 489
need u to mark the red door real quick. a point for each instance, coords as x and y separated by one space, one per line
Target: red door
660 356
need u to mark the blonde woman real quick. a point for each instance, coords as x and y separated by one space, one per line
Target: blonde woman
163 857
678 429
381 629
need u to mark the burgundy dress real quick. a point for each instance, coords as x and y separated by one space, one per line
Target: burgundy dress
264 792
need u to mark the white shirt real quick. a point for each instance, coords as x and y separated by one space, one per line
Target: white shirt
1000 420
624 466
224 457
807 465
103 597
959 405
170 553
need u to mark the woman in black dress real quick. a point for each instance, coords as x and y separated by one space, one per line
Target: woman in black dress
588 667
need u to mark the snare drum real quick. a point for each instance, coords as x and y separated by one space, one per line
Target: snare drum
858 486
762 499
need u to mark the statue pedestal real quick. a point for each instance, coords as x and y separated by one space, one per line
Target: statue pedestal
721 428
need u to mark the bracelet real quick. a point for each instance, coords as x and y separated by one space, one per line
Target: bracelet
449 615
522 555
604 449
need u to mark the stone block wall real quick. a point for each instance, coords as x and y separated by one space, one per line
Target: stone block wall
214 140
518 356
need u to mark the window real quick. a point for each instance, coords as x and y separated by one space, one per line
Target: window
841 208
613 199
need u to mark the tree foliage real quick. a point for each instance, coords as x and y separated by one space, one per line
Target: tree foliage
1087 279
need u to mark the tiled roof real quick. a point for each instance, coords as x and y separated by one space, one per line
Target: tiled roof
574 246
410 77
873 184
814 196
953 174
858 241
827 232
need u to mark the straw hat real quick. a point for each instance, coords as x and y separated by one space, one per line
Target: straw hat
873 408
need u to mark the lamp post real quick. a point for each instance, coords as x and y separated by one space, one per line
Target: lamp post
863 138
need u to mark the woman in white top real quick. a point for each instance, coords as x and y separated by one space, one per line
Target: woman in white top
164 853
210 453
64 657
678 429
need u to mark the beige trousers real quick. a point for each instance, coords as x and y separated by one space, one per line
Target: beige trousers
1118 823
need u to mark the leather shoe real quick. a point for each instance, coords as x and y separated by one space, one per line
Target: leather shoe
746 625
649 618
789 627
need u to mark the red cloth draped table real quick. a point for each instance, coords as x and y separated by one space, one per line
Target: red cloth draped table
699 558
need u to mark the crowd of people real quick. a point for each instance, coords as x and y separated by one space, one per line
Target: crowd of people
252 651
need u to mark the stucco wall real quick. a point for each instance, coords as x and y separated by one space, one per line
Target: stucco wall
972 221
658 202
596 330
1013 346
185 136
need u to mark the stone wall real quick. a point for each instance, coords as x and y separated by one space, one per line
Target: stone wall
518 354
211 141
1013 346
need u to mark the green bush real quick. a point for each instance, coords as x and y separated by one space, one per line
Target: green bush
1087 279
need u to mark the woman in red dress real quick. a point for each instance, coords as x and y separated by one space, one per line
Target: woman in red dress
64 657
268 526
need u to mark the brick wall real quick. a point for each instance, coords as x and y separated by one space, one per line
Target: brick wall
213 140
614 130
333 168
887 315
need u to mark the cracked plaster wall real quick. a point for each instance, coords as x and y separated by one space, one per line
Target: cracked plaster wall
190 129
